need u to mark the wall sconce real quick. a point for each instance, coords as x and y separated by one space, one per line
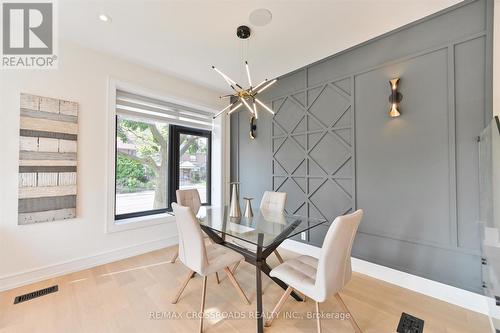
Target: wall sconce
253 128
395 98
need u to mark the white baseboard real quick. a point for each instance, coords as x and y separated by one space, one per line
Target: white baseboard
441 291
39 274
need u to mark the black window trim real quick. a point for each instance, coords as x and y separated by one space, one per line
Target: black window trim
174 166
173 169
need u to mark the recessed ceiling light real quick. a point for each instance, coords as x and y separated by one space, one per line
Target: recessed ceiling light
261 17
104 18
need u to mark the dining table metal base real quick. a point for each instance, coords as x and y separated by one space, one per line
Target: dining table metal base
258 259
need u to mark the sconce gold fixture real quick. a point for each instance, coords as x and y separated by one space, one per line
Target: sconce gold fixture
395 98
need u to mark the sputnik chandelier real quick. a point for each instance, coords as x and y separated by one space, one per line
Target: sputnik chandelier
245 97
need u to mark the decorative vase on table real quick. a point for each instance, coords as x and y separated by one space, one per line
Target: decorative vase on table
234 207
248 208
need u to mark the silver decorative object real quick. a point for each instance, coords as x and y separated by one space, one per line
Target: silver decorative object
248 207
234 207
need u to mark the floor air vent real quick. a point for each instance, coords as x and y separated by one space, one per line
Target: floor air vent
410 324
35 294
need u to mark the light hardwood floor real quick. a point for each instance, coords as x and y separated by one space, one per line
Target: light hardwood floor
120 297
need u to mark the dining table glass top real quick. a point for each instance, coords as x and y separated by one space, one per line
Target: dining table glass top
274 227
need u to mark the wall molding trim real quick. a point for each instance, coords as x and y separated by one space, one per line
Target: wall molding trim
439 47
453 295
422 243
50 271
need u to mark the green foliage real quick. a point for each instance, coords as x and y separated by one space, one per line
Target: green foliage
142 170
195 177
142 135
132 175
193 145
125 125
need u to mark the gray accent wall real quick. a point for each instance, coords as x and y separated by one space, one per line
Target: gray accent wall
332 147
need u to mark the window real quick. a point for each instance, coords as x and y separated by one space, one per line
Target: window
191 153
160 147
141 166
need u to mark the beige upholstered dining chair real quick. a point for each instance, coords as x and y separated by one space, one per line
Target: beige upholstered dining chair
200 258
273 202
324 277
187 198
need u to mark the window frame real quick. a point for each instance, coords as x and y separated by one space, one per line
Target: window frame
174 134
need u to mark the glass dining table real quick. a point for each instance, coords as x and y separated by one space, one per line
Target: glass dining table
255 238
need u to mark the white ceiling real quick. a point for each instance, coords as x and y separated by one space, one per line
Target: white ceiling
185 38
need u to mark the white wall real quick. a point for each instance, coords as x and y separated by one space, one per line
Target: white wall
33 251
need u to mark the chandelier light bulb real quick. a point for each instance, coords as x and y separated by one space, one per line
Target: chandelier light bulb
264 106
255 110
235 108
248 74
264 88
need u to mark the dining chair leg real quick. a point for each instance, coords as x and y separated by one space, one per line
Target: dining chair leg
217 277
235 266
318 317
346 310
236 285
278 306
174 257
202 308
183 286
278 255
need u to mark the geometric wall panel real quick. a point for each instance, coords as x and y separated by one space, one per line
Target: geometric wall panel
313 152
47 159
290 155
330 153
289 119
330 100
